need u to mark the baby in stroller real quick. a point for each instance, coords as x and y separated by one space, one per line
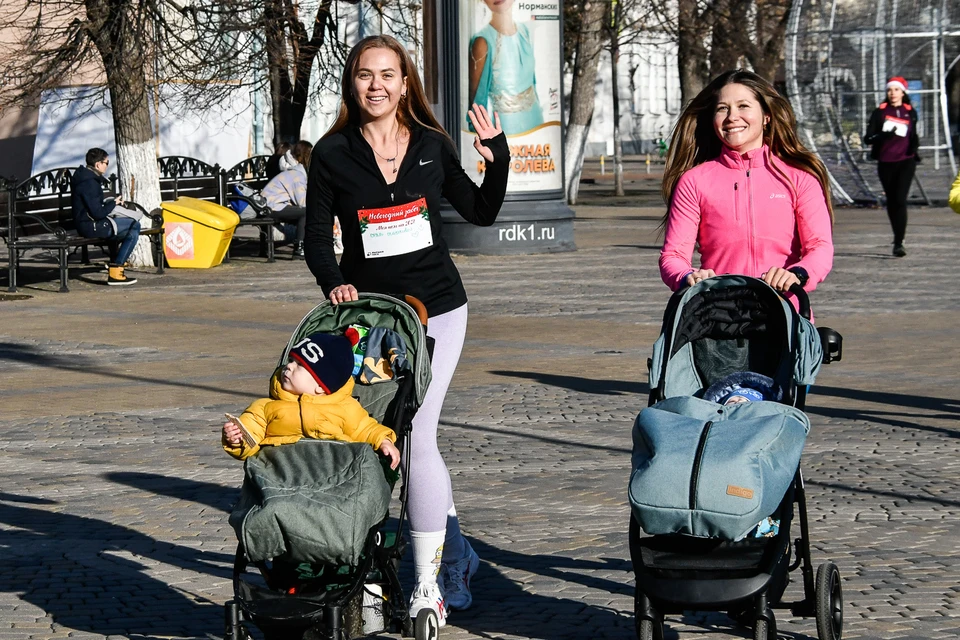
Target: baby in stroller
310 397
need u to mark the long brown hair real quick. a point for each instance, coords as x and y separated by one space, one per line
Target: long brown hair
301 153
695 141
413 109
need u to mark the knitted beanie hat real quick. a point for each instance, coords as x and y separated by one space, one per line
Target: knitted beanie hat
329 359
897 81
751 395
738 383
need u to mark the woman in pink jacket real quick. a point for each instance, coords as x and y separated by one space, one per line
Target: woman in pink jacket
743 189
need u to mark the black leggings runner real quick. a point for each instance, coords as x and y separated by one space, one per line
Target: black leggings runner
896 178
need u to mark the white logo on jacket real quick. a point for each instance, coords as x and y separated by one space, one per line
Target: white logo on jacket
774 196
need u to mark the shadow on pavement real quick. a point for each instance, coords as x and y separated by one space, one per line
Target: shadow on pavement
13 352
526 436
582 385
213 495
502 607
945 408
90 575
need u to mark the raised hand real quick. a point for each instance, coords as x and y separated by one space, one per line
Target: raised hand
485 127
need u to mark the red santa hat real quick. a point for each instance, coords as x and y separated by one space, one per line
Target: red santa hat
899 82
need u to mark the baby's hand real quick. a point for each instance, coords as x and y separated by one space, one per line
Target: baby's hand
390 450
231 433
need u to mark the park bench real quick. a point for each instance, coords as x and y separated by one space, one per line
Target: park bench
40 216
253 173
181 176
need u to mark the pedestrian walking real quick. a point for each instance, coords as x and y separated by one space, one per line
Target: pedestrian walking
383 168
892 132
743 189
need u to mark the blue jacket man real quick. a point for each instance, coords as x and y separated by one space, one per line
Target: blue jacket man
92 213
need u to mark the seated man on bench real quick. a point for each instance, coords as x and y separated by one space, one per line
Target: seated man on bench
96 217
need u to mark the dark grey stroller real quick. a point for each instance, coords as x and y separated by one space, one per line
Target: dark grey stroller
337 600
695 553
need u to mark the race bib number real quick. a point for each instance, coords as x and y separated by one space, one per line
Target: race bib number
394 231
897 125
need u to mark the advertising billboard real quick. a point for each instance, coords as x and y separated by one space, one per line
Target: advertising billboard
512 66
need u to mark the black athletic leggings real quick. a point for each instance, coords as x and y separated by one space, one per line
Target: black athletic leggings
896 178
293 214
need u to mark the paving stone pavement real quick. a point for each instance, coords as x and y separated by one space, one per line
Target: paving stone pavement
115 493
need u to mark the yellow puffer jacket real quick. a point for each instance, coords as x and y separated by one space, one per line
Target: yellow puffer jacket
955 195
284 418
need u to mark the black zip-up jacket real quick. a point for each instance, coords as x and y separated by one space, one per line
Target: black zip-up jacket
386 247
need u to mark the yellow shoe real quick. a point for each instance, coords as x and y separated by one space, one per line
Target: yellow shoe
116 277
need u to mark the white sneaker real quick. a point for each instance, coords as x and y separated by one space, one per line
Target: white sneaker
456 579
427 595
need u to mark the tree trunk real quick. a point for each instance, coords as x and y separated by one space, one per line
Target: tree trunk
615 90
729 40
290 79
115 36
767 54
582 94
692 29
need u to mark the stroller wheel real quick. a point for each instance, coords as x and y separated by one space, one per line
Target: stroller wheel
649 630
829 607
426 626
765 629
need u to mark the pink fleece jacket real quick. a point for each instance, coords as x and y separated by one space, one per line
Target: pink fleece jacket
746 218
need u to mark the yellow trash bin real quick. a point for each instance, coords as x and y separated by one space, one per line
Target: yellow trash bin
197 233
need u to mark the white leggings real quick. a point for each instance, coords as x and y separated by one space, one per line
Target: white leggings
430 495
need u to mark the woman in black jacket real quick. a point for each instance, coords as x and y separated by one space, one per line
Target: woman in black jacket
383 168
893 133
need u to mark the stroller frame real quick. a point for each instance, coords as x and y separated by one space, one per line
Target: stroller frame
335 614
751 596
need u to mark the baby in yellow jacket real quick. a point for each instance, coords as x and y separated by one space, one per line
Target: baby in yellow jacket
311 398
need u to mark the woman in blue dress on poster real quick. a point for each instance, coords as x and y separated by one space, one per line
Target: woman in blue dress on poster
502 71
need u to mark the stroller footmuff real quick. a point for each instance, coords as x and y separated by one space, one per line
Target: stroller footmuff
713 484
313 515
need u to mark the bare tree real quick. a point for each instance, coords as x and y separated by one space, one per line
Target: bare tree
296 44
202 52
588 41
714 36
130 44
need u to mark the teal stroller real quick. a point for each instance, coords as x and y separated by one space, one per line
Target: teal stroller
716 472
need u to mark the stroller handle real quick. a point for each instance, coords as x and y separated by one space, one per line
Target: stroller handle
418 307
803 300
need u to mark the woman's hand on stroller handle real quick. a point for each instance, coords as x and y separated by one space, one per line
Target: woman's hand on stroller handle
343 293
780 279
697 275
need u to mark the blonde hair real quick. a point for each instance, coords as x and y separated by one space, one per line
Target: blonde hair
695 141
413 109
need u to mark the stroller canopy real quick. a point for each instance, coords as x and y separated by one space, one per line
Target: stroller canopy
727 324
373 310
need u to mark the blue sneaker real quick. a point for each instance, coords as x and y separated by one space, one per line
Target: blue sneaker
456 580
